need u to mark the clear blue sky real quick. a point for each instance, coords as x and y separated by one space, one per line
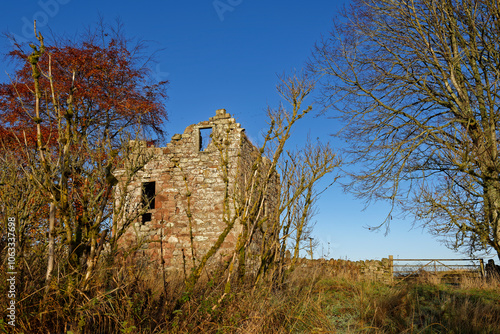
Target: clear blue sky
226 54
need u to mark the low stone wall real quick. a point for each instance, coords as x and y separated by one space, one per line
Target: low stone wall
369 269
376 270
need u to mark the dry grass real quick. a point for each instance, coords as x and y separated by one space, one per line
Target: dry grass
311 300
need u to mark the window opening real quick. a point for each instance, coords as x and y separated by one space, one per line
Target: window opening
146 217
148 199
205 139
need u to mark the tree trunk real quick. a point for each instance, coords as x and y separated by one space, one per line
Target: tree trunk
51 246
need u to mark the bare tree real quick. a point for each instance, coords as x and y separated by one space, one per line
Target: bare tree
19 199
417 84
269 193
301 172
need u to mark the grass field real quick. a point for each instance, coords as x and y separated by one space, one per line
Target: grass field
311 300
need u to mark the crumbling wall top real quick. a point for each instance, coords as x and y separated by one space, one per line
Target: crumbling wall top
220 114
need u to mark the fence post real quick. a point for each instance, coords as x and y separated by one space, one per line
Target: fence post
481 265
391 266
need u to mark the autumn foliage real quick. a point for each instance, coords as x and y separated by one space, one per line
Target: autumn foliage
111 91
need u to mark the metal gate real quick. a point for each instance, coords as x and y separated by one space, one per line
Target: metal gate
410 267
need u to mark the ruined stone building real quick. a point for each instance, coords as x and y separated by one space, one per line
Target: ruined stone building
183 187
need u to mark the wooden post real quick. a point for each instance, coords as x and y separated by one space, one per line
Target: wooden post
481 266
391 266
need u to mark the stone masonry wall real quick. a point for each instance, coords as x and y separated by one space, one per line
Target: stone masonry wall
190 191
369 269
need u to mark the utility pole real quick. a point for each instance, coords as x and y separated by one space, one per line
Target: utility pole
311 247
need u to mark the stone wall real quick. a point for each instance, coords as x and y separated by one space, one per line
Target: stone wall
369 269
194 184
376 270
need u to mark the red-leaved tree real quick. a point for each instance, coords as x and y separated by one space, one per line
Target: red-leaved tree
68 113
110 89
